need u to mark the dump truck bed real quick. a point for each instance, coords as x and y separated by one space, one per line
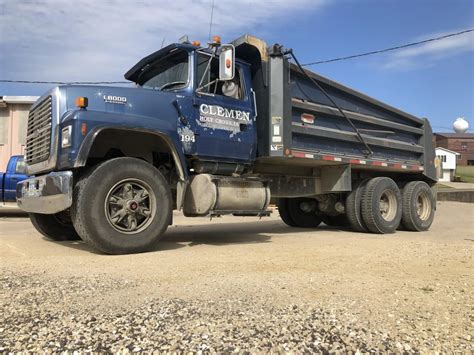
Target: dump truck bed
302 125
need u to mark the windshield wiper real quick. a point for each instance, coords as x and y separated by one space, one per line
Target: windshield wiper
171 84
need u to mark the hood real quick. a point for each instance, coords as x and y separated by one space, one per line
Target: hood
131 101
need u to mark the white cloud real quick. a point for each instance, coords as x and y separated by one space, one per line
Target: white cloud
100 40
428 53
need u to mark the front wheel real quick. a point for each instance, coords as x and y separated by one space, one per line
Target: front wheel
56 226
122 206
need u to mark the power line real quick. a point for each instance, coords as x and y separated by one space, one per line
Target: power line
388 49
64 82
306 64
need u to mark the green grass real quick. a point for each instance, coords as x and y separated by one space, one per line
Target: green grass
442 186
466 173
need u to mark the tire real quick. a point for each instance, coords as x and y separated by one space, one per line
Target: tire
382 205
301 217
284 212
122 206
419 206
56 227
339 220
353 207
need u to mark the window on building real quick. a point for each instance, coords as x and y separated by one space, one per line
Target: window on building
442 158
464 145
459 157
22 126
4 120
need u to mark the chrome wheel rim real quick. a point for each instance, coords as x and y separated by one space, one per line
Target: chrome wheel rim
423 206
130 206
388 205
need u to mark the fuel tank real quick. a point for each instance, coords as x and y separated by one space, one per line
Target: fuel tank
217 195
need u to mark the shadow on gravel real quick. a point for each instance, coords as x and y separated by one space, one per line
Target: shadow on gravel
218 234
233 233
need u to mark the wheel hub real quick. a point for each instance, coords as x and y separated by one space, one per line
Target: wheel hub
130 206
423 206
388 205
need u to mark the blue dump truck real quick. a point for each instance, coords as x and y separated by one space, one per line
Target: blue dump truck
16 171
220 130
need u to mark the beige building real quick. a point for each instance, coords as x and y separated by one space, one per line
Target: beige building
13 122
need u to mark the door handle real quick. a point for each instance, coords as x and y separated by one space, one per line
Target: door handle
182 118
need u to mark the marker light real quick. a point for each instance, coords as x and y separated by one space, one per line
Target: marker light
228 63
196 43
82 102
307 118
83 128
217 39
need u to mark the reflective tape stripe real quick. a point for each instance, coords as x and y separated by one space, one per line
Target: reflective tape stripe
298 154
356 161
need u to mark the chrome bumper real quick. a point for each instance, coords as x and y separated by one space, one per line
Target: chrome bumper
45 194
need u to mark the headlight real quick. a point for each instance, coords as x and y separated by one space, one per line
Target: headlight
66 137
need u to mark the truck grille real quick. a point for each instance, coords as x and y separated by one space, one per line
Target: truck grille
38 136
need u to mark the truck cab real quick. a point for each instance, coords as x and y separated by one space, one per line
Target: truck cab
220 130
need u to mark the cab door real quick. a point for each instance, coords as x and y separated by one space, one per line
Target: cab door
224 114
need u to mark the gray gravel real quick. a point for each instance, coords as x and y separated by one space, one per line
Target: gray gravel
246 285
42 314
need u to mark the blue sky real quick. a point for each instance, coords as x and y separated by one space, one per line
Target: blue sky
89 40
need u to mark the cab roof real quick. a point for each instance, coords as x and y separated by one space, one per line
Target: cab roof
133 74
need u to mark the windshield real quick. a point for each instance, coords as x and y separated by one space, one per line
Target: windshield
169 72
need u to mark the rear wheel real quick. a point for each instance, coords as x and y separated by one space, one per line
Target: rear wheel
419 205
303 212
122 206
353 206
284 212
382 205
56 226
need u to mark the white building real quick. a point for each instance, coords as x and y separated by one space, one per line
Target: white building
448 163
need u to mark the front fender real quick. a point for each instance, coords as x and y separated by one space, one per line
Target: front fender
97 122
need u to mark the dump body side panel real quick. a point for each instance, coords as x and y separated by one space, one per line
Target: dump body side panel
303 123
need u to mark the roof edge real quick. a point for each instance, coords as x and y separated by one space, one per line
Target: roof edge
19 99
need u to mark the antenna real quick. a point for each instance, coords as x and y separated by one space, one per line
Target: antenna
210 23
163 41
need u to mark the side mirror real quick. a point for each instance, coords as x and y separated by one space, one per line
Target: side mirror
226 62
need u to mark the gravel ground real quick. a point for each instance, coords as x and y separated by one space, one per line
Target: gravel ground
255 287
